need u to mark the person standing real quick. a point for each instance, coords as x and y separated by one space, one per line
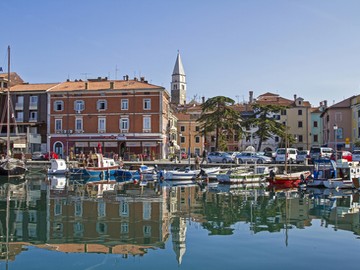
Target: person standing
197 162
204 155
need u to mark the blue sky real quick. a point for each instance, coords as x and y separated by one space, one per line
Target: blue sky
310 48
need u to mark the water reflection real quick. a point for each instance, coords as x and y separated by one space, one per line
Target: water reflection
111 216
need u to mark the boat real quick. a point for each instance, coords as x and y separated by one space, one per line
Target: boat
137 172
287 180
345 174
188 174
57 166
96 166
256 175
10 166
324 169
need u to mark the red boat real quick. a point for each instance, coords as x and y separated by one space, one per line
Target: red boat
288 180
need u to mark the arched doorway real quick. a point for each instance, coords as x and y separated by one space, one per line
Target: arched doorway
59 148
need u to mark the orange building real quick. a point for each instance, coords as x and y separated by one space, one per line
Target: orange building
124 117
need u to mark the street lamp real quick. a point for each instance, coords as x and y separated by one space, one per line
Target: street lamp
335 136
49 137
180 135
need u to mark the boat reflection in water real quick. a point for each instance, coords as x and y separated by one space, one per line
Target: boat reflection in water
108 216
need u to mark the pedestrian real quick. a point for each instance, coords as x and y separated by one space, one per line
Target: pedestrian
197 162
204 155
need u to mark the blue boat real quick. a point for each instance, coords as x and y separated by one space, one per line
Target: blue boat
96 166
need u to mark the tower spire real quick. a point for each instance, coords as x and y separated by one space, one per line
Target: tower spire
178 82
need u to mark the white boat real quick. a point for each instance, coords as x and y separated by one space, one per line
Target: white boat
256 175
324 169
10 166
344 175
188 174
57 166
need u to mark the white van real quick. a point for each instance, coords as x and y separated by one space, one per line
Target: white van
290 157
320 153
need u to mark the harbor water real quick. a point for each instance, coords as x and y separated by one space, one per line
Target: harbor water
73 223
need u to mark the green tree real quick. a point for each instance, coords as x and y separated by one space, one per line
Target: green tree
267 126
218 115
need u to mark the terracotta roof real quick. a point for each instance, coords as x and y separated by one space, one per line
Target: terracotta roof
32 87
269 98
14 77
103 85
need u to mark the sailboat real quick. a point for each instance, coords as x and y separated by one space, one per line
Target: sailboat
9 165
287 179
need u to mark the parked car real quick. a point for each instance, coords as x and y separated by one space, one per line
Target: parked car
347 155
288 155
184 155
252 157
356 155
53 155
302 155
219 157
317 152
37 156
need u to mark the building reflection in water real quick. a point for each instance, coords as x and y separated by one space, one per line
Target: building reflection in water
108 216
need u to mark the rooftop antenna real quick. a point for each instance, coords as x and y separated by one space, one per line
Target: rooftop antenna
116 70
237 96
85 74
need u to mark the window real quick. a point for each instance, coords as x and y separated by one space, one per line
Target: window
20 101
197 128
101 105
147 123
124 104
300 124
315 138
299 112
124 209
33 116
197 139
102 124
124 124
33 99
147 104
315 124
79 105
300 138
58 124
78 124
58 105
182 128
277 139
182 139
20 116
283 112
146 210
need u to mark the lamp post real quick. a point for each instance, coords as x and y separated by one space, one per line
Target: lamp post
180 135
49 137
335 138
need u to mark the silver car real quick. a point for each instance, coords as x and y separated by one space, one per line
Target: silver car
252 157
219 157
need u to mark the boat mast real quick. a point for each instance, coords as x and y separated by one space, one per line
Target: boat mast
8 153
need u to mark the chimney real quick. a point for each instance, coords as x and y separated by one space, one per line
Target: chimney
142 79
295 97
325 103
251 97
86 85
111 85
203 99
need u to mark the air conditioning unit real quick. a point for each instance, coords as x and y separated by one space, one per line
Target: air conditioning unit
101 131
71 131
64 131
78 111
58 131
146 131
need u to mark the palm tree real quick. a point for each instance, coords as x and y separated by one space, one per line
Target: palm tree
218 115
267 126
